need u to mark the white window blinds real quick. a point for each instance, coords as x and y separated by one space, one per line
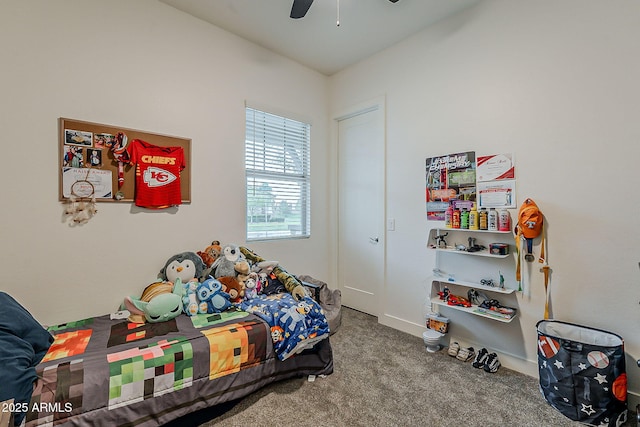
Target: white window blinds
277 171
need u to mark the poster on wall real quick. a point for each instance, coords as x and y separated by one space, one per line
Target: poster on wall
496 181
450 178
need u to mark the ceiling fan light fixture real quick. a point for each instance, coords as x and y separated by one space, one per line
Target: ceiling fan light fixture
299 8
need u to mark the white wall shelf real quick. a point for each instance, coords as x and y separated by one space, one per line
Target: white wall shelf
484 252
473 231
478 311
477 286
487 265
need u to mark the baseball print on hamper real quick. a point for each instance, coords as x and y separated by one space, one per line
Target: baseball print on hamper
157 174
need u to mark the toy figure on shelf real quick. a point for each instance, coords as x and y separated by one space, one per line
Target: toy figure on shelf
444 294
440 242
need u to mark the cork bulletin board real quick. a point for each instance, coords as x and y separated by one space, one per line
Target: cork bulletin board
89 152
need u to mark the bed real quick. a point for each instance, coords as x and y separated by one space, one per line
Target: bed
107 371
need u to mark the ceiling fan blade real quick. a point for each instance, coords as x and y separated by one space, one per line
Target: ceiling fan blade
300 8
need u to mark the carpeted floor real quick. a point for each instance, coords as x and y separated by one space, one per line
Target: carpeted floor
384 377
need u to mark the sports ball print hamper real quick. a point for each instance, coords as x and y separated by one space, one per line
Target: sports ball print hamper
582 372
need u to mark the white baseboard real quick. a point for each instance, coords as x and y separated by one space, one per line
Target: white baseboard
402 325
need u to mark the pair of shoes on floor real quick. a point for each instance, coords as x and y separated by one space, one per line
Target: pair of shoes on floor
454 348
460 353
465 354
486 361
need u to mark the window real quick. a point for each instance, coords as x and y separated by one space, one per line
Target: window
277 170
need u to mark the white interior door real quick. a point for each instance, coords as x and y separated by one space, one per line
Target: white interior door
361 210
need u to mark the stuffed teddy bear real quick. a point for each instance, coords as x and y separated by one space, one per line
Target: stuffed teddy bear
210 254
210 291
233 287
185 270
242 270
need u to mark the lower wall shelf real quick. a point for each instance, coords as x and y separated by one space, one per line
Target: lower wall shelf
478 311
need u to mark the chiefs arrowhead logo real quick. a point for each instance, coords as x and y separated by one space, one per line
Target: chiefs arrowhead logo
156 177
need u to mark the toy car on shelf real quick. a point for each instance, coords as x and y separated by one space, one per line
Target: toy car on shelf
458 301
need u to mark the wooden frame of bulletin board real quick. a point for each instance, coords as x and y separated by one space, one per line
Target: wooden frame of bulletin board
86 154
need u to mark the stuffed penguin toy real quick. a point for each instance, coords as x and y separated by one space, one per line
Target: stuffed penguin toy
186 266
185 271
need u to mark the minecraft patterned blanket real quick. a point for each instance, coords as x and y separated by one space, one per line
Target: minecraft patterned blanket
295 325
110 372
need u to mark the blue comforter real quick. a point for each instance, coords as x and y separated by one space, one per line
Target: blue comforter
295 325
23 344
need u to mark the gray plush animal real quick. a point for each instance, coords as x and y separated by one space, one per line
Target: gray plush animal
224 265
186 266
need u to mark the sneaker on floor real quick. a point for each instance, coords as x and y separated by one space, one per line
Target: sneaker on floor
492 364
481 358
466 354
454 347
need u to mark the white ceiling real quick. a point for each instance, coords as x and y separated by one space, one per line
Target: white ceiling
366 26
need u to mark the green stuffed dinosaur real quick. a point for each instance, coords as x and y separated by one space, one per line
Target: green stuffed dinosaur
160 301
291 284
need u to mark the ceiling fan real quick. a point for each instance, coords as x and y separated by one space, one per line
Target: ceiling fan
300 8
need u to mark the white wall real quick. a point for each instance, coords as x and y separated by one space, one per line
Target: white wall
555 83
141 65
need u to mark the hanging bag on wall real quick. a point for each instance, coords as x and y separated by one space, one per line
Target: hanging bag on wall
582 372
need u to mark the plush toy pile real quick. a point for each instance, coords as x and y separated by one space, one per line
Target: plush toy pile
219 278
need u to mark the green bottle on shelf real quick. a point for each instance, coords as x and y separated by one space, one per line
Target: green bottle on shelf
464 219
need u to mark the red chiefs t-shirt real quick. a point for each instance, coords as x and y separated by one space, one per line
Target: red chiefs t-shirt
157 174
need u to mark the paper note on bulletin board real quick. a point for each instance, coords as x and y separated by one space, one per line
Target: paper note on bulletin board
86 151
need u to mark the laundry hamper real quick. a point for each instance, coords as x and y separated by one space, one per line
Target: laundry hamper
582 372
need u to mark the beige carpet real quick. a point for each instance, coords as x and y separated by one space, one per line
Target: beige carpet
384 377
